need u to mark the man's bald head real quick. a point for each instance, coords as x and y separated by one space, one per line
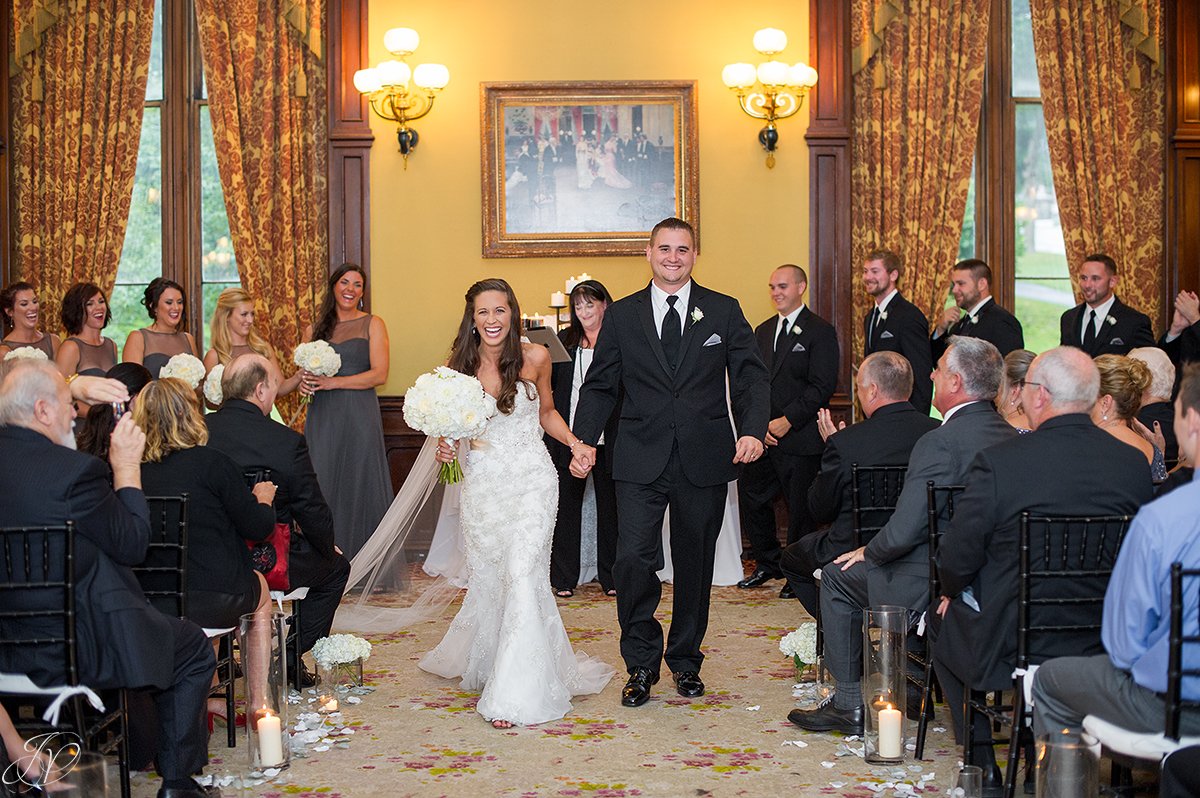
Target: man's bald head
248 377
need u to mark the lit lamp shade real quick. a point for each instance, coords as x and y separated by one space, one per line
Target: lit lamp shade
393 73
770 40
773 73
738 76
367 81
431 76
802 75
401 41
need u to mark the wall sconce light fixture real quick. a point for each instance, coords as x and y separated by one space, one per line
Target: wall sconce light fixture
387 86
773 90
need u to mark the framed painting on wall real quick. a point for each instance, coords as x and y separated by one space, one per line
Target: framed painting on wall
585 168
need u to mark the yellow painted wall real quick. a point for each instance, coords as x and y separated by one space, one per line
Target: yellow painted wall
426 223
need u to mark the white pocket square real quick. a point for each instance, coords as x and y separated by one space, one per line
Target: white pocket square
713 340
886 334
799 348
1117 342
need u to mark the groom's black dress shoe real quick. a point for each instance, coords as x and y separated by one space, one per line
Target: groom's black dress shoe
827 717
637 689
688 684
760 577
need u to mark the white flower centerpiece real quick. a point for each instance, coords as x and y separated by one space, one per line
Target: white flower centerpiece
340 661
184 367
26 353
317 357
212 385
801 646
448 404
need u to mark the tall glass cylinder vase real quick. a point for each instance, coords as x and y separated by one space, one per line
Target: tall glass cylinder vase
264 663
1066 766
884 630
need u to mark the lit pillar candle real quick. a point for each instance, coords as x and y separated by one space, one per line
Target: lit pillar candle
584 276
572 281
558 300
270 740
890 732
328 704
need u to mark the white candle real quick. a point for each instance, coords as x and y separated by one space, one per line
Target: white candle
270 740
558 299
584 276
330 705
890 732
572 281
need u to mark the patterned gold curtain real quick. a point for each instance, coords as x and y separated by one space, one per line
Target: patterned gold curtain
918 88
266 88
1104 102
78 90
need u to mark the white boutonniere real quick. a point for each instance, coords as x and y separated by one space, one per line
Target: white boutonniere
796 329
974 319
1110 320
697 314
883 315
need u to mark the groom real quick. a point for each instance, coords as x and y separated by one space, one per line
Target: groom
670 346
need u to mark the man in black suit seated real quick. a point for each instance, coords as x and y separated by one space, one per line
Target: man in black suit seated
893 568
1181 341
122 640
1157 412
244 430
1066 466
971 285
800 350
886 437
895 324
1103 324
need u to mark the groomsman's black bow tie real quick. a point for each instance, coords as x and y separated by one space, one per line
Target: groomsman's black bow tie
670 334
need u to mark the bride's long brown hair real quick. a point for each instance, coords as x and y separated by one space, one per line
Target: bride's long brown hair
464 354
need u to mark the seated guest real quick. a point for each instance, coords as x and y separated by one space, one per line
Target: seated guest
893 568
243 430
1102 324
122 640
93 435
886 437
223 513
970 283
1008 398
167 335
1125 686
1066 466
1122 383
85 313
1157 413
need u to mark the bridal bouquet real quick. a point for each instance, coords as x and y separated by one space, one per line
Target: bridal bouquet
26 353
317 357
212 385
801 645
447 404
184 367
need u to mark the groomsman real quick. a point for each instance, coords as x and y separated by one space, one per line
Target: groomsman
801 353
971 285
1103 324
895 324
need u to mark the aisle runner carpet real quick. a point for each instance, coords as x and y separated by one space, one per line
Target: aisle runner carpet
418 735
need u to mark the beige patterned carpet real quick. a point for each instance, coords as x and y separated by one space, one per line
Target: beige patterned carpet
418 735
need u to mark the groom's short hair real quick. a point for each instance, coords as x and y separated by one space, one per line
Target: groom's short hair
891 372
673 223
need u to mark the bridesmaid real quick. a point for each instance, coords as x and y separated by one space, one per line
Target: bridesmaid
344 428
231 332
86 351
19 308
153 346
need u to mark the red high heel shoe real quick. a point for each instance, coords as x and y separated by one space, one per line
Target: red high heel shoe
240 720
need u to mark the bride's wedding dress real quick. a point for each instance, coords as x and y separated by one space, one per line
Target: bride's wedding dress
508 639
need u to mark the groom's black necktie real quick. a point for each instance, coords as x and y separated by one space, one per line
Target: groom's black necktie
670 333
1089 333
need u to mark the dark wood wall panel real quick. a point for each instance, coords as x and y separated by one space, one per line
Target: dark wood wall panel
6 241
1183 153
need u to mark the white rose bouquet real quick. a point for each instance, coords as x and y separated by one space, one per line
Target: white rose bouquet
317 357
26 353
801 645
340 649
184 367
448 404
212 385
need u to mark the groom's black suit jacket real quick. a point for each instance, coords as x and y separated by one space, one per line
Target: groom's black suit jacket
686 406
1129 329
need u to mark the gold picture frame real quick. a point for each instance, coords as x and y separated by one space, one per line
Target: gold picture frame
578 168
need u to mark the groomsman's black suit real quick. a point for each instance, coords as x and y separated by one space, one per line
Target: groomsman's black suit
992 323
1068 466
1129 329
675 446
886 438
804 370
905 331
251 439
122 641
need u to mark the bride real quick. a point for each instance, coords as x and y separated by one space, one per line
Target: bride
508 639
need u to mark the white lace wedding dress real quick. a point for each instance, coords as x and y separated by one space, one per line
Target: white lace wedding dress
508 639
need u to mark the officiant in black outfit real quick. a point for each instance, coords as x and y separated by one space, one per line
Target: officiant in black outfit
669 346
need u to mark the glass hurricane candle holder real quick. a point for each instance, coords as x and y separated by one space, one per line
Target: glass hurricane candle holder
884 630
338 677
264 654
1066 766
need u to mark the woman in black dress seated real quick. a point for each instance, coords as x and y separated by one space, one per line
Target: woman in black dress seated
222 514
93 435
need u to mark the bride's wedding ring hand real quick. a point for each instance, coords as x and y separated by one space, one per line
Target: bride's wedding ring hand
445 451
748 450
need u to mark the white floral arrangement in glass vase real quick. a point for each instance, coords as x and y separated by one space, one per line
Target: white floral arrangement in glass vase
448 404
339 660
184 367
801 645
212 385
317 357
26 353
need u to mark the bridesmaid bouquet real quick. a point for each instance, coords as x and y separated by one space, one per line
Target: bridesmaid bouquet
448 404
26 353
317 357
212 385
184 367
